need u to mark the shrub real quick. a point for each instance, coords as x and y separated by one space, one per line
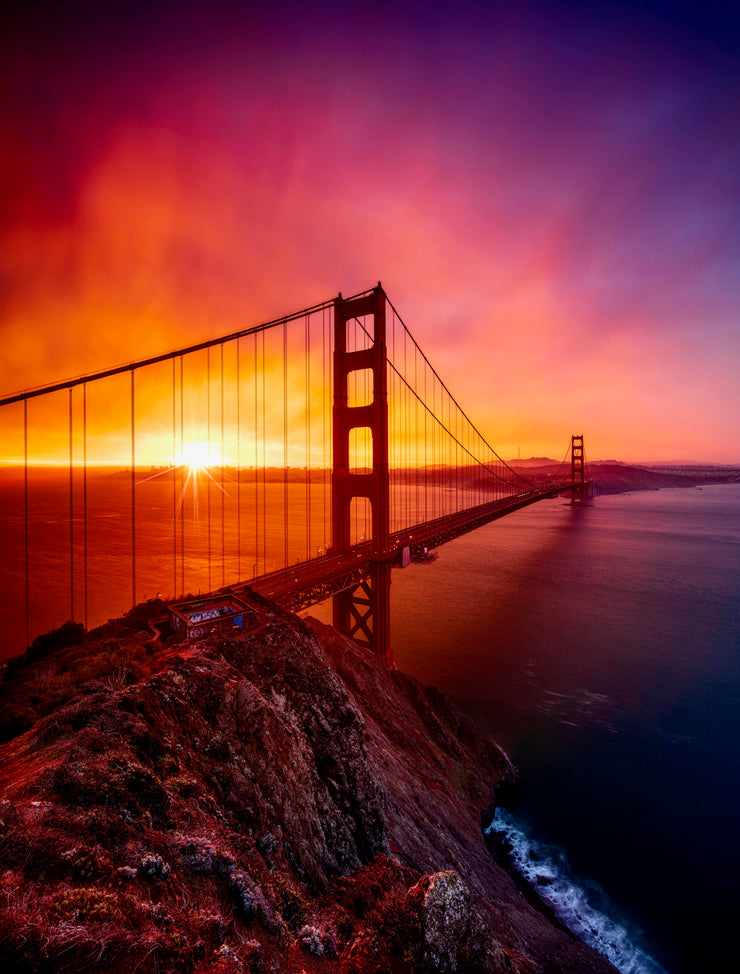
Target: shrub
85 905
247 894
68 634
141 615
15 721
317 942
154 867
293 908
144 786
83 863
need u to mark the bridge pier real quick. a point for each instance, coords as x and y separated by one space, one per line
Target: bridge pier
362 613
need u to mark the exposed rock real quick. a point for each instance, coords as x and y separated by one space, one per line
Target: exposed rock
272 801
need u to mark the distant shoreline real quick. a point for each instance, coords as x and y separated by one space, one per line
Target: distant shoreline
612 477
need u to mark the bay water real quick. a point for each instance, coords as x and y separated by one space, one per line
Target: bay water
601 647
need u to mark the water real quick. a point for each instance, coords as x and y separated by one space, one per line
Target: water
601 647
579 903
175 533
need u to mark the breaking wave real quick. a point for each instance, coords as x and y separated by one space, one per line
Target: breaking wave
546 870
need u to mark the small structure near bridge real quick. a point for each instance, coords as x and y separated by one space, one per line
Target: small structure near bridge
200 617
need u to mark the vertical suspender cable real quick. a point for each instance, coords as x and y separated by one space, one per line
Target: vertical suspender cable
285 441
481 471
325 470
174 481
308 436
25 514
256 468
71 520
436 443
456 460
182 485
223 492
133 486
208 454
264 460
426 459
448 455
413 401
407 430
444 442
433 433
238 473
444 426
84 492
441 438
435 450
478 470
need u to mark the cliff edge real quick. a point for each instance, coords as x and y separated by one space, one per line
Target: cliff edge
277 801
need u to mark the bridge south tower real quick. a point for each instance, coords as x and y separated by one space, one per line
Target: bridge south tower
362 612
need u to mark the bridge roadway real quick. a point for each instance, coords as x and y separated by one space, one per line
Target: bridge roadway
309 582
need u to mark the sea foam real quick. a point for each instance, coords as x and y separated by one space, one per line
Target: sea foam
546 870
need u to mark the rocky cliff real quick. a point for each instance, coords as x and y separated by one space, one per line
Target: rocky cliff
276 801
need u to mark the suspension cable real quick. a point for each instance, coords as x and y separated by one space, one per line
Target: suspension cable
474 427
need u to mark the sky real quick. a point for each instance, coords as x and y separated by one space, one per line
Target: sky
549 193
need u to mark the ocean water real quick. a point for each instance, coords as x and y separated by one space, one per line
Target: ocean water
601 647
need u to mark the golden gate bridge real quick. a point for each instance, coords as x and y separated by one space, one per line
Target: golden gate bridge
303 458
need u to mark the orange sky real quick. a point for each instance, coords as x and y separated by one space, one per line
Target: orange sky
550 201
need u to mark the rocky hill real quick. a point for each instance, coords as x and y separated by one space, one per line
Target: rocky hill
277 801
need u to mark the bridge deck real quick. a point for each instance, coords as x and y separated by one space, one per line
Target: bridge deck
309 582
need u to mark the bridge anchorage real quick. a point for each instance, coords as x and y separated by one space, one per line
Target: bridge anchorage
339 454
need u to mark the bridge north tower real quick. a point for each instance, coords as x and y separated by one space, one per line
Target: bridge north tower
362 612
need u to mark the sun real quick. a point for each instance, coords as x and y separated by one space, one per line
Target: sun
196 456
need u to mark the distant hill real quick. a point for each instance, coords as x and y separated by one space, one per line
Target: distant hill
615 477
532 462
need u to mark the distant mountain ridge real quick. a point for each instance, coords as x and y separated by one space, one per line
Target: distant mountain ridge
617 477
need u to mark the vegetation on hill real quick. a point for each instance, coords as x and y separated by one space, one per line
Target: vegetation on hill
275 801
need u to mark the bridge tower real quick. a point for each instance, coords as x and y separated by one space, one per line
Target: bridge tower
577 470
362 612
